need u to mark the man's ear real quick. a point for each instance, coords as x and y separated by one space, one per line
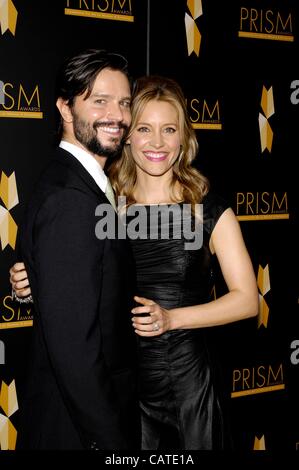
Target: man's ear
64 110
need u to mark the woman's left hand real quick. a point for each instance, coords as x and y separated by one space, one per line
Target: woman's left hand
155 323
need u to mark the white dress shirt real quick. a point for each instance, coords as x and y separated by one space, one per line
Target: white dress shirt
90 164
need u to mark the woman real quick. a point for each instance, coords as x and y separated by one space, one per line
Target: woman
178 397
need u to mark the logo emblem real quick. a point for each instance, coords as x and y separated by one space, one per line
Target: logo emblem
9 405
9 196
259 444
8 16
263 282
192 31
267 105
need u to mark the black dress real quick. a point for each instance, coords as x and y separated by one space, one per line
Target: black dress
179 403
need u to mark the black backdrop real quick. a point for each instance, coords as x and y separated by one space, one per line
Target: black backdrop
245 47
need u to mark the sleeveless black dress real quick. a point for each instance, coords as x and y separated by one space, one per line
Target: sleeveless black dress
178 399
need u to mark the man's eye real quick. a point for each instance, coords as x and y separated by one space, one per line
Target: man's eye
126 104
100 101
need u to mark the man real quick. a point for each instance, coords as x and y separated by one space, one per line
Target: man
81 390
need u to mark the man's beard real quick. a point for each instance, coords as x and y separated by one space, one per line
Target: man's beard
86 134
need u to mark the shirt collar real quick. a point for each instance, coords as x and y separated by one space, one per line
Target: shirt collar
90 164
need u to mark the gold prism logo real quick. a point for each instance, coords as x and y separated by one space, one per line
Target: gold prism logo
9 196
8 16
192 31
267 105
116 10
263 282
259 444
270 24
9 405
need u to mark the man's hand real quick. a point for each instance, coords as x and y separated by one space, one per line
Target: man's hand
19 280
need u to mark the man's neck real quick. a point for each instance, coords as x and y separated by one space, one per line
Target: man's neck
101 160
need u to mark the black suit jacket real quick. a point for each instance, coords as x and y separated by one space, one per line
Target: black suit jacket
81 389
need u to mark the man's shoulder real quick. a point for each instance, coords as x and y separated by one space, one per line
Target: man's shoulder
64 181
57 181
59 203
57 171
57 176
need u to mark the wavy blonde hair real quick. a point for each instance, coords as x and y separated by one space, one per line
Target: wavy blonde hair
122 171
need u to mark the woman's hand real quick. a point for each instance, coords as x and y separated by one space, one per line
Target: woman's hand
19 280
155 323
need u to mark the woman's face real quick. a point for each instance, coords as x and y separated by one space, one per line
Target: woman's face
155 140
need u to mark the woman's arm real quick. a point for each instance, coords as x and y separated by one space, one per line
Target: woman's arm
239 303
242 299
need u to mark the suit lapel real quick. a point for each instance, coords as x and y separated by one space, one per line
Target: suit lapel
66 158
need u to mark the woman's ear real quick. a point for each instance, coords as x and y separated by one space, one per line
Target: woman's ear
64 110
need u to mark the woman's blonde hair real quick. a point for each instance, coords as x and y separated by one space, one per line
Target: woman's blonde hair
122 171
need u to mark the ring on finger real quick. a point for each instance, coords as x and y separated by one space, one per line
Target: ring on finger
156 326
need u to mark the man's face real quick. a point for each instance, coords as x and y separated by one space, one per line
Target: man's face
100 122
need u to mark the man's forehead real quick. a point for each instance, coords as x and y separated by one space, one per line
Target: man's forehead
107 71
113 80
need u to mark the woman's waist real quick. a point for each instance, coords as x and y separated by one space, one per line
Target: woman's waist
175 338
173 348
173 295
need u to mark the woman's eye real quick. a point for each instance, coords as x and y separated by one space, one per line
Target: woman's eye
143 129
170 130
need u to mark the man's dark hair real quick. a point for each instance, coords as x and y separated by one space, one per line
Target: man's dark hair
78 73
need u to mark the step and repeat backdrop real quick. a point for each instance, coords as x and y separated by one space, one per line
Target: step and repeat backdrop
237 63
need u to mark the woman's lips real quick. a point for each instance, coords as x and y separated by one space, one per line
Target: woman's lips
155 156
